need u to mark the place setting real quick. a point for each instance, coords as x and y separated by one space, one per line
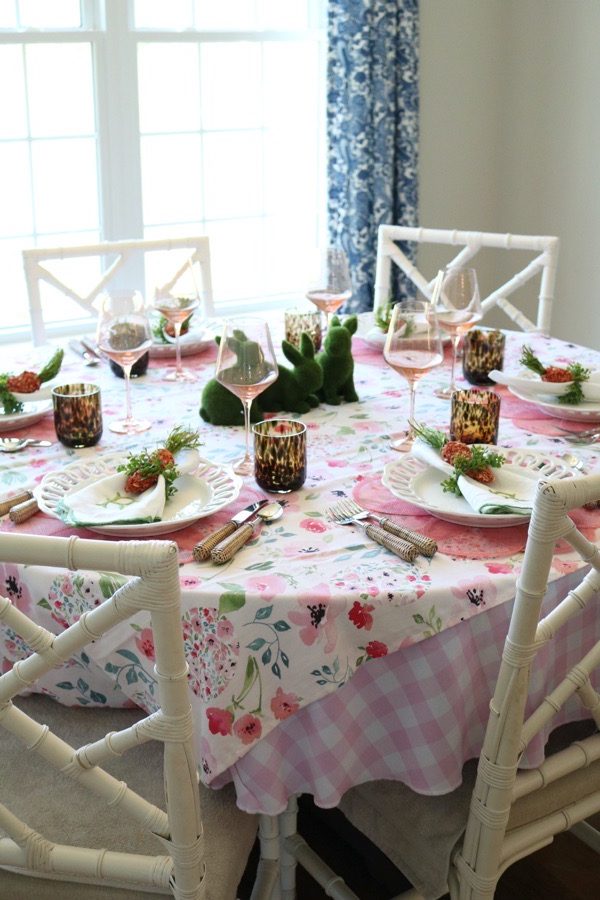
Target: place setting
570 392
154 491
26 396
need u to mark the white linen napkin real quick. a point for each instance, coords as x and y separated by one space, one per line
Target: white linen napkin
534 385
105 501
512 491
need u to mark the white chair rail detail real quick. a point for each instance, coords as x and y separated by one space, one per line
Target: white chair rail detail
543 264
122 265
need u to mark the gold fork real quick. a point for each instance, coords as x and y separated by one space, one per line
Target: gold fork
426 546
401 548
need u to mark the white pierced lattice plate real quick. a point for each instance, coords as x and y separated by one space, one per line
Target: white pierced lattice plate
411 480
209 489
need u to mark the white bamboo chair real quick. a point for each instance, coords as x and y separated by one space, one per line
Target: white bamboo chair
165 265
153 586
543 264
512 813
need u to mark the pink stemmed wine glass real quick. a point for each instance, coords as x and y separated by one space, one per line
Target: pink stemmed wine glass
246 366
123 334
412 347
332 285
458 307
176 310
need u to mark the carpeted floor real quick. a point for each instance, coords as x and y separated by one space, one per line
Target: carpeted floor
80 818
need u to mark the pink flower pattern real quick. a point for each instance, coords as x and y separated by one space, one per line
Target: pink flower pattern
212 651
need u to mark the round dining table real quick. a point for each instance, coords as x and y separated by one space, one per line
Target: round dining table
318 659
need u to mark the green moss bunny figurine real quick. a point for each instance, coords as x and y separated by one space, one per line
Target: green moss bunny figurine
337 363
218 405
296 389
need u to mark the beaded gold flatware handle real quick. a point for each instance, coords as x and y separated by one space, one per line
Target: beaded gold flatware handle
203 549
400 547
223 552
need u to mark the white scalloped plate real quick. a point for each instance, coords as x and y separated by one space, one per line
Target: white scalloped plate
587 411
209 489
32 413
411 480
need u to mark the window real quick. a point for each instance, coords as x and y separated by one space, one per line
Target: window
140 118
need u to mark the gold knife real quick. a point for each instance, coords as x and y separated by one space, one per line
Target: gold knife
202 550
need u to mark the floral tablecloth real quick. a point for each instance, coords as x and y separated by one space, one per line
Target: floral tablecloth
308 610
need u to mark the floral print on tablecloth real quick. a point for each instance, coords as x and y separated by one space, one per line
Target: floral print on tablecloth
306 603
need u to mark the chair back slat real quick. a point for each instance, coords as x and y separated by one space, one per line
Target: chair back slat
544 265
118 260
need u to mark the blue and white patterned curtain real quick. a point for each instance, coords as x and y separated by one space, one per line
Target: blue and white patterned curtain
372 124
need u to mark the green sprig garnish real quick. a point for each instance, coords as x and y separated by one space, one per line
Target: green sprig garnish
52 367
158 329
574 393
8 400
149 464
480 457
433 437
383 315
531 362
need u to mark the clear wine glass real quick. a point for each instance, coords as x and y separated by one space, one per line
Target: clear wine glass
412 347
176 310
332 285
123 335
246 366
458 307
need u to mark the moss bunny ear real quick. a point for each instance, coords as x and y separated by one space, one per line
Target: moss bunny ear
351 324
291 352
307 348
334 321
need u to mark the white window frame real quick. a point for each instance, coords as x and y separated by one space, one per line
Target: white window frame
107 25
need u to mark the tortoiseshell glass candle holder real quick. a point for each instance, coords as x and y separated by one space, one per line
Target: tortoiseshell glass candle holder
482 351
279 455
475 417
299 320
77 414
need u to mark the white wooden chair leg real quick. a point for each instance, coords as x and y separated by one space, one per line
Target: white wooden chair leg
289 827
588 834
266 883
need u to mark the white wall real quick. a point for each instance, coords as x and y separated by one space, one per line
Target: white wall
510 136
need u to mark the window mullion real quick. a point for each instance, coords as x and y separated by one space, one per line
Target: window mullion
118 126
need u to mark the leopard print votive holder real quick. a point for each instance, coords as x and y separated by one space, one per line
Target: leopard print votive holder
483 351
279 455
77 414
474 417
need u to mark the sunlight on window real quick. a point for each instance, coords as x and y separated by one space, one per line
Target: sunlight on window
230 75
175 14
15 189
61 98
13 110
169 91
46 14
171 178
65 184
230 137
